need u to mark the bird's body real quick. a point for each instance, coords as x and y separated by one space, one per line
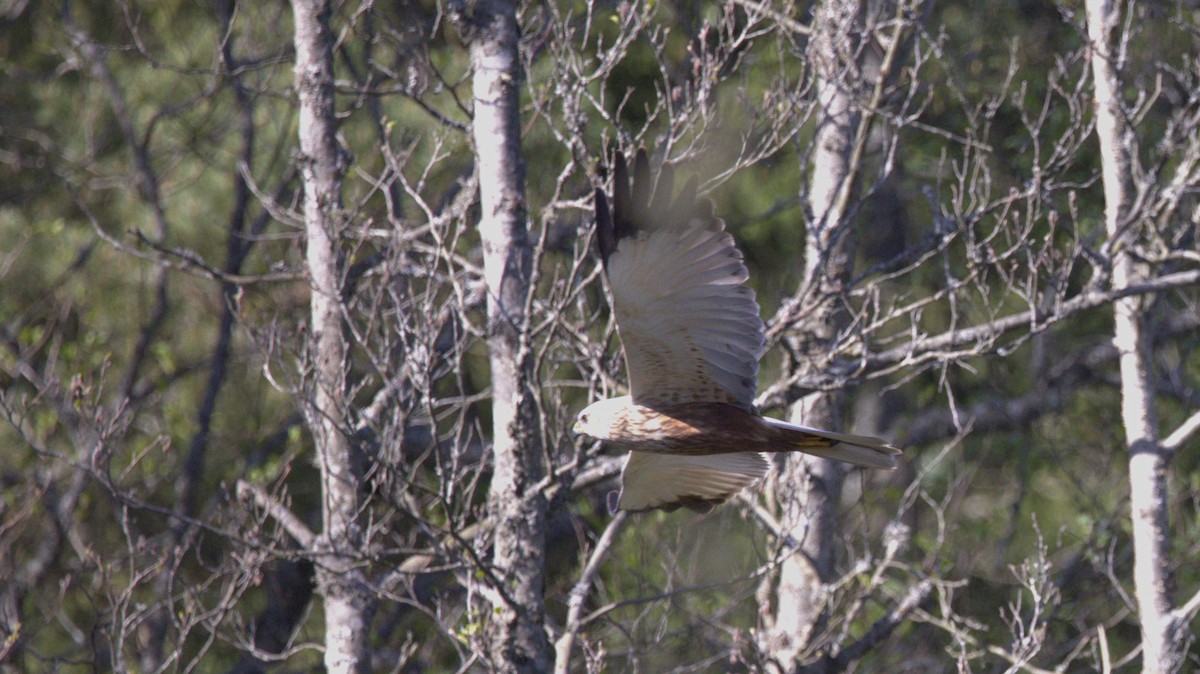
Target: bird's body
685 428
700 429
692 336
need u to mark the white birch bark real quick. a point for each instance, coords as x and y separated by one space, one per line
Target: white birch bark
1162 642
348 602
809 489
518 642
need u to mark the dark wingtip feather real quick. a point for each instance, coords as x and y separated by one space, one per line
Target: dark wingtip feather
639 212
660 206
605 235
696 504
622 199
641 176
639 204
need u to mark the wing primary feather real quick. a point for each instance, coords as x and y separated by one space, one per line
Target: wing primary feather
642 185
685 203
622 199
660 207
691 330
606 236
667 481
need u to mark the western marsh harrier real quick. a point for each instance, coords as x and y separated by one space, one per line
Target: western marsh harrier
692 338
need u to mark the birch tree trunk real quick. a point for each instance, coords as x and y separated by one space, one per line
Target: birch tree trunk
348 600
1163 643
518 642
809 489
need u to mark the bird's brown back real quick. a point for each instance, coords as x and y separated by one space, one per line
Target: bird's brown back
699 428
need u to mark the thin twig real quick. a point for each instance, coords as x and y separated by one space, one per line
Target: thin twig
298 530
1182 433
579 593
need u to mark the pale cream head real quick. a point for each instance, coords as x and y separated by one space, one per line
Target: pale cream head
596 420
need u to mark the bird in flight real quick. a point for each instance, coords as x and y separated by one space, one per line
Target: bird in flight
692 336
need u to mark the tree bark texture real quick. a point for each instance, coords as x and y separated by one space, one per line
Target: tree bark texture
1163 642
809 489
348 601
518 640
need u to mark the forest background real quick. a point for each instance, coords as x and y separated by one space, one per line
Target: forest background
300 300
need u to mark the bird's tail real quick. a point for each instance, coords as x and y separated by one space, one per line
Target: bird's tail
857 449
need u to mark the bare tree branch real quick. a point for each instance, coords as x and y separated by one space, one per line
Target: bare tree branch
1182 432
579 593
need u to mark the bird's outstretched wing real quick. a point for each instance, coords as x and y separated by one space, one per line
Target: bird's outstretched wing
668 481
690 328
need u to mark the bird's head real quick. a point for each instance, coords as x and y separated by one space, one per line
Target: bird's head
596 420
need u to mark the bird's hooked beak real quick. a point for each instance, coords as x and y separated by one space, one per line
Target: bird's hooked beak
577 429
